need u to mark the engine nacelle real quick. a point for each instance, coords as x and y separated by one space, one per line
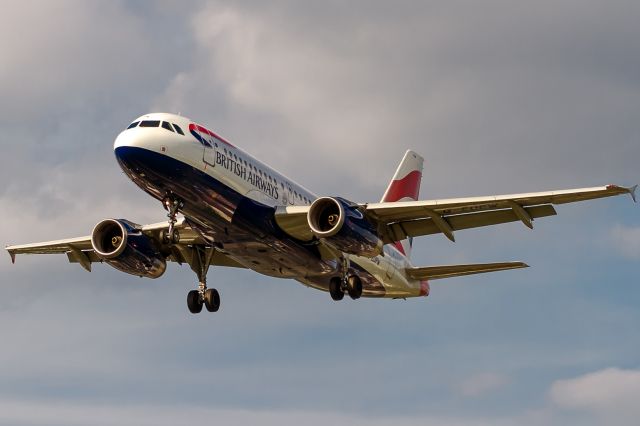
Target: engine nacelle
118 243
344 227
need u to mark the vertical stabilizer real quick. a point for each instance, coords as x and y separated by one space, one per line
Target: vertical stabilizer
405 186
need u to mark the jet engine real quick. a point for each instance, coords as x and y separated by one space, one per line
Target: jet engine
118 243
340 224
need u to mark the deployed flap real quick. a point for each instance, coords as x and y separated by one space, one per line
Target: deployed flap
415 218
448 271
418 227
50 247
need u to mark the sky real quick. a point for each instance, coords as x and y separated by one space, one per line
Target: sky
499 97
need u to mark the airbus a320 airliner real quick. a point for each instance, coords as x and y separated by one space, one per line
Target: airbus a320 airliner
238 212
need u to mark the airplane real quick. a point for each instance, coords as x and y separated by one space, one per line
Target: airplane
238 212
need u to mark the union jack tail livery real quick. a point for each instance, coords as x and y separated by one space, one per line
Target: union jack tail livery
405 186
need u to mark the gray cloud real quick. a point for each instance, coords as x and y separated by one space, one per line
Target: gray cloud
498 97
533 88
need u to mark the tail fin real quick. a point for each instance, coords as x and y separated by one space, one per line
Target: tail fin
405 186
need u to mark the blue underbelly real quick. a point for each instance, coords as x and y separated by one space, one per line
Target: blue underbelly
241 227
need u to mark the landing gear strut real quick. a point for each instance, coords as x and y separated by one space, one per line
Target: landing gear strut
209 297
351 284
172 205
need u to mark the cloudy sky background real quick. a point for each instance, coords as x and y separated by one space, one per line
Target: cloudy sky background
498 97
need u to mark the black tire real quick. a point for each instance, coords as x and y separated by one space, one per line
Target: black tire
212 300
193 302
354 287
174 238
335 289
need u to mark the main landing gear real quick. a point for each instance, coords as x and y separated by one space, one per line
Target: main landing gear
209 297
351 284
199 258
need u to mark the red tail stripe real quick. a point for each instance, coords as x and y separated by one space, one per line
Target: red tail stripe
398 245
408 186
424 288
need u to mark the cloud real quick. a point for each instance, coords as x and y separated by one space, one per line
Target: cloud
442 80
627 240
48 412
611 394
506 97
51 66
483 383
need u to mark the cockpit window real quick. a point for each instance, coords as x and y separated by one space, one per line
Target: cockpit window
167 125
150 123
178 129
132 125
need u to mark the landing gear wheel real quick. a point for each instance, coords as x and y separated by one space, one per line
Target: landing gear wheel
212 300
193 302
335 289
354 287
173 238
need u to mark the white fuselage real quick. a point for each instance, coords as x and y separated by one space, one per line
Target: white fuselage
230 182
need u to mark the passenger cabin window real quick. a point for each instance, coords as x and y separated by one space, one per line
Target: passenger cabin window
132 125
167 125
150 123
178 129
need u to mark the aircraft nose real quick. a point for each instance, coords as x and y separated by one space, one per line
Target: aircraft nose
123 139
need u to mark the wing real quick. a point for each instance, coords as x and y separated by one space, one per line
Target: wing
399 220
448 271
79 249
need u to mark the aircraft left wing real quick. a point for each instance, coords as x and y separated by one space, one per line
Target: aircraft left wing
399 220
79 249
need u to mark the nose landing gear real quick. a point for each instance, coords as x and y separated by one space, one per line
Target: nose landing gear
172 205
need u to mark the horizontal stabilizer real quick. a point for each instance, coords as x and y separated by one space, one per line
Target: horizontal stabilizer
448 271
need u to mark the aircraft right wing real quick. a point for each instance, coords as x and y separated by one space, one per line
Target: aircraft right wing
399 220
415 218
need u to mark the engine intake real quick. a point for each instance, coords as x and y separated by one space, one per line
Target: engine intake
118 243
343 226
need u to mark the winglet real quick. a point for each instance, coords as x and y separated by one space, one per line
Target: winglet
632 191
13 256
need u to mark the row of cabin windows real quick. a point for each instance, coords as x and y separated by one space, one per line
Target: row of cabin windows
168 126
157 123
253 168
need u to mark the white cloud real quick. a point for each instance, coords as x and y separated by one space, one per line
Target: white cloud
627 240
483 383
326 96
611 394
